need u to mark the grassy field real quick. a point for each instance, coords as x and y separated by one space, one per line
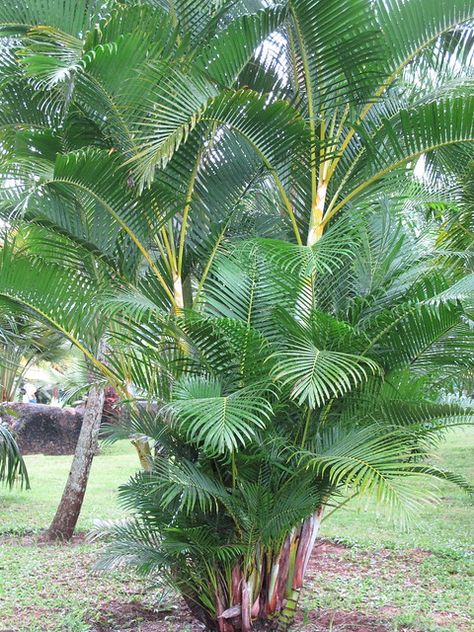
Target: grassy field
367 574
30 511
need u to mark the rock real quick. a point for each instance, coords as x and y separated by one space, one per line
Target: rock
42 429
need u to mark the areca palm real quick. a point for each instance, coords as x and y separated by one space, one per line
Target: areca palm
281 108
85 94
137 139
279 400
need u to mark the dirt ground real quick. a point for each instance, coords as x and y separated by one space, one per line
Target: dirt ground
329 559
333 599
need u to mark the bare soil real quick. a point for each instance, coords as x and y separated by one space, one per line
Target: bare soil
328 558
129 617
129 610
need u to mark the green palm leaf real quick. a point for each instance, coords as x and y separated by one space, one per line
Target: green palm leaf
230 50
218 422
308 362
12 466
404 137
377 465
69 16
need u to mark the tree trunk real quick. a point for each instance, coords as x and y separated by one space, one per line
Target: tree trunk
67 513
266 596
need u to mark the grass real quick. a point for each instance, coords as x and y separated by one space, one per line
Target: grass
413 588
444 527
418 579
53 587
29 511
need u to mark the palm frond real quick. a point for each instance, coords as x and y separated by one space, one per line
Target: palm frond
231 49
71 17
12 465
218 422
309 363
374 464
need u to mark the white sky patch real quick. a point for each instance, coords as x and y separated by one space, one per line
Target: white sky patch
419 171
272 54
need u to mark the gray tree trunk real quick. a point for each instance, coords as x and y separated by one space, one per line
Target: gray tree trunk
67 513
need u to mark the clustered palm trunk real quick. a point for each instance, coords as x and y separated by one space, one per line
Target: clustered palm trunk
273 409
264 592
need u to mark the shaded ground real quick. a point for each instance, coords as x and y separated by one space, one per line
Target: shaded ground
349 590
367 574
131 617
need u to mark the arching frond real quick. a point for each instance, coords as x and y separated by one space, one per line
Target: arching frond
217 421
71 17
311 362
12 466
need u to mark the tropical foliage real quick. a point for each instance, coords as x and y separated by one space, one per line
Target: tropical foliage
281 399
12 466
23 344
283 135
143 145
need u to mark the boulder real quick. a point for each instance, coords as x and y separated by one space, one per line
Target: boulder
43 429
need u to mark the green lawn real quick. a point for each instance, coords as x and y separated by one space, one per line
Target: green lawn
446 526
409 580
23 511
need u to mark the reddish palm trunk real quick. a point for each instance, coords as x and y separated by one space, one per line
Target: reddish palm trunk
267 599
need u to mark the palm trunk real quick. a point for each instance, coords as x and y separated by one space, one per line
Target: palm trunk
178 292
67 513
267 596
316 227
144 453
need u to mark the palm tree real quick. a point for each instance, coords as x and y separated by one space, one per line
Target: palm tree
280 400
136 140
66 134
69 113
287 115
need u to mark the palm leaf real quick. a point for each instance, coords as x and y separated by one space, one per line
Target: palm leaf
218 422
377 465
70 16
404 137
307 361
12 466
231 49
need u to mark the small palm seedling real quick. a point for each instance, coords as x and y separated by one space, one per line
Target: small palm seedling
12 466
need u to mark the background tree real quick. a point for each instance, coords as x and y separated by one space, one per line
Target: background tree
69 508
24 344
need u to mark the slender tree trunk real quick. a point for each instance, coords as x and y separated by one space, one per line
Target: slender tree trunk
67 513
